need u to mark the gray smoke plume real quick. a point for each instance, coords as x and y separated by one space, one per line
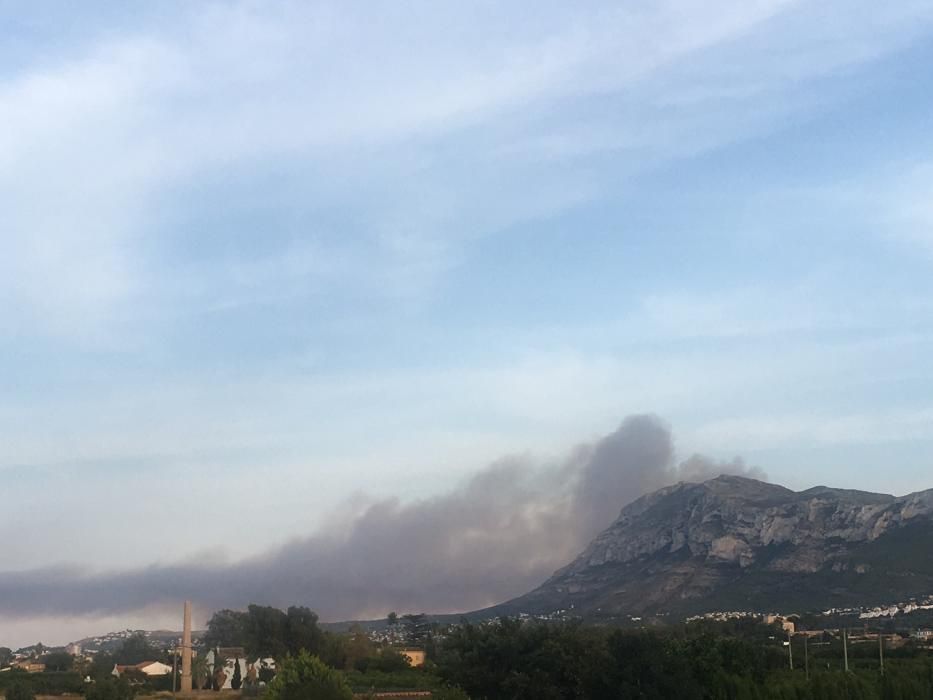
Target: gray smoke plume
499 535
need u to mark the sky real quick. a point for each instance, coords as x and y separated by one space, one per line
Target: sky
277 277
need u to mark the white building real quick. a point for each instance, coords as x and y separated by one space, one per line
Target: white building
233 656
150 668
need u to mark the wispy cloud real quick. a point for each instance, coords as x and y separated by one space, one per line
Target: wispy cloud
94 143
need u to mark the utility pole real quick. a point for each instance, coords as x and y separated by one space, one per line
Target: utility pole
881 651
845 647
790 650
806 655
186 651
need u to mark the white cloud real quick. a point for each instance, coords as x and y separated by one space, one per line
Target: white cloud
92 146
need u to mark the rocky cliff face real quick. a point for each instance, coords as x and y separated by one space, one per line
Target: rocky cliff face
737 543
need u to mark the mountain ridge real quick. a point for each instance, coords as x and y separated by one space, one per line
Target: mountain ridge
733 542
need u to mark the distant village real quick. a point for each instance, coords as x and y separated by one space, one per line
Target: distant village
230 663
903 613
155 662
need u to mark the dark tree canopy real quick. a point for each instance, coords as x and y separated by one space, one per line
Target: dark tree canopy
226 628
134 650
58 661
266 631
417 627
303 631
102 665
20 691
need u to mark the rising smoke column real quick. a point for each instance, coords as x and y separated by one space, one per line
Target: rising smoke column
498 535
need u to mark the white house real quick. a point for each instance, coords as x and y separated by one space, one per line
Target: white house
150 668
235 655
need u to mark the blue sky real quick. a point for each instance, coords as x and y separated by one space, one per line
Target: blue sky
282 255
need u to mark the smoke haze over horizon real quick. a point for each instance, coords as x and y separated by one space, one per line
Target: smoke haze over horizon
502 532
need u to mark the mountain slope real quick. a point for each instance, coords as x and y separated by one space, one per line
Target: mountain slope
734 543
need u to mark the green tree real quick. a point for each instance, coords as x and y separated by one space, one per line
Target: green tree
102 665
6 657
645 665
515 661
417 627
359 648
237 681
336 650
392 619
266 632
306 676
58 661
20 691
387 661
219 677
226 628
199 671
134 650
302 631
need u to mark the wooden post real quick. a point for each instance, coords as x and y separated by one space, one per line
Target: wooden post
845 647
806 656
881 650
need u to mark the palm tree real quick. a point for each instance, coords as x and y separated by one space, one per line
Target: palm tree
199 671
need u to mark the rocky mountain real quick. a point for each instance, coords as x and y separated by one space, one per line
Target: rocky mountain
734 543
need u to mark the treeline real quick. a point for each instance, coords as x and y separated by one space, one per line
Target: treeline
64 674
512 660
265 631
509 659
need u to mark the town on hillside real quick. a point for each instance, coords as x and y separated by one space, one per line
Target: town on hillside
242 653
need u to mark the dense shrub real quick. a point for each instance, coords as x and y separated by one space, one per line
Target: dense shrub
409 679
53 683
387 661
20 691
304 676
449 693
111 689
